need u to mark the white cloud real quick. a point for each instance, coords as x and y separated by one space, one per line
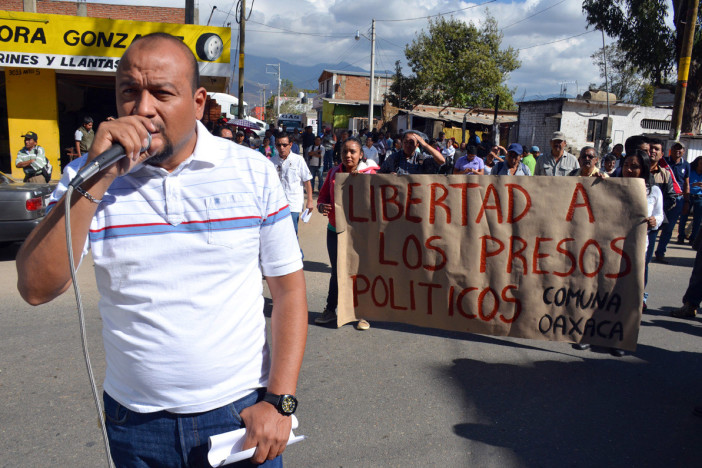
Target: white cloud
543 67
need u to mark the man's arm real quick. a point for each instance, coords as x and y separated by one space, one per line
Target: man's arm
310 201
266 428
22 164
78 147
45 249
436 154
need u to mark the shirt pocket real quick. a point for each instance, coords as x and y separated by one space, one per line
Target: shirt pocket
233 220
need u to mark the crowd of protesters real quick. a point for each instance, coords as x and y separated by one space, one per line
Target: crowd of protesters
673 185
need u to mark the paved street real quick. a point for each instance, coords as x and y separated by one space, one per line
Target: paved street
395 395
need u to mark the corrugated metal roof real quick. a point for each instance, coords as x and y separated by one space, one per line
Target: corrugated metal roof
473 119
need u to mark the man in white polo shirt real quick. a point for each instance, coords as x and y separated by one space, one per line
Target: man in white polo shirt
294 175
180 236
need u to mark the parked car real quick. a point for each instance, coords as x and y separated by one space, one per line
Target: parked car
22 207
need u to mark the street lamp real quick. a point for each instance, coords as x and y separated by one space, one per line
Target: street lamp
372 72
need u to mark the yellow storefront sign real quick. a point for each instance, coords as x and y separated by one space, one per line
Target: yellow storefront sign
95 44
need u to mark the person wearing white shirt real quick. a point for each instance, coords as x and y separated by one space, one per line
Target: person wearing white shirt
294 175
370 152
180 234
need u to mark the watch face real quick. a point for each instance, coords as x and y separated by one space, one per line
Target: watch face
288 404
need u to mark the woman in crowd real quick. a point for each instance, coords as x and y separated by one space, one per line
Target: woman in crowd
638 165
351 162
266 148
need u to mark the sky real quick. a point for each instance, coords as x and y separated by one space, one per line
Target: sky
552 35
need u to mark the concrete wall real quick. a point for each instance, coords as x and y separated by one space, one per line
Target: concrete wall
536 128
136 12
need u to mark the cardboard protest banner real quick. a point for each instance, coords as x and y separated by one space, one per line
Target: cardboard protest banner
547 258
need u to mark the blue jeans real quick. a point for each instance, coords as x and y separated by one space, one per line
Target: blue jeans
168 440
316 172
649 254
328 159
696 208
667 229
295 216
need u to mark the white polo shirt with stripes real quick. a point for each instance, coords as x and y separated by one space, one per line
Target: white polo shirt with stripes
178 262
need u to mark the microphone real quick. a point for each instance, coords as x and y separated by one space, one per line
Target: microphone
113 154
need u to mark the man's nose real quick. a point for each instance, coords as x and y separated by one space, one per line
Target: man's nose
145 104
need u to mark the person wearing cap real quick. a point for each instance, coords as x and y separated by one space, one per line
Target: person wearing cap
530 159
558 162
84 136
470 163
32 159
512 164
588 164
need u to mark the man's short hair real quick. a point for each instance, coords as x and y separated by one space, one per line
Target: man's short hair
633 143
194 68
656 141
240 134
610 157
585 148
221 129
471 149
87 120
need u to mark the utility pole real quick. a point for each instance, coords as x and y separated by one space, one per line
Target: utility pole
189 11
372 78
242 33
277 65
684 69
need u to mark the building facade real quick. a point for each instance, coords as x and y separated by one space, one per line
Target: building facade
582 121
343 98
56 69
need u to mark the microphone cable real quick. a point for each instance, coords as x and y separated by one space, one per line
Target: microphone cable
81 319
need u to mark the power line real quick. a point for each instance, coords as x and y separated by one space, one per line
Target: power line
558 40
532 15
300 32
438 14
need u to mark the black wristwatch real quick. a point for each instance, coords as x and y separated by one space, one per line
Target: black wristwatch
285 404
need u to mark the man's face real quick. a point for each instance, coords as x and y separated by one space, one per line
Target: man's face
588 160
226 133
609 165
512 159
239 138
655 152
409 143
536 154
677 152
88 126
558 146
154 82
344 136
284 146
317 141
369 142
30 143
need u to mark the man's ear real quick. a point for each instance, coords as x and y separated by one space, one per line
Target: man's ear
199 100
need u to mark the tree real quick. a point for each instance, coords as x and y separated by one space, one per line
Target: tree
651 45
625 78
456 64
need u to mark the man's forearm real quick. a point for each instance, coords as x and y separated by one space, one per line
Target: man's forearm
288 331
23 164
45 249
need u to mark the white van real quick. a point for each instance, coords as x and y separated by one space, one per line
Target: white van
230 108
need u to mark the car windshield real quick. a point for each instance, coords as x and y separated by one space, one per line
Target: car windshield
5 179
